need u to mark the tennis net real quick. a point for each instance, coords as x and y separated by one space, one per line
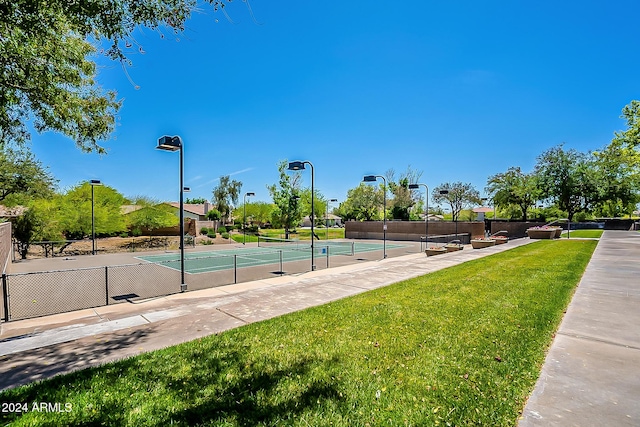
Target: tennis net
276 243
323 246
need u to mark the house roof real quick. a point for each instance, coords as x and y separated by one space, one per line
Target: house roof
482 209
197 209
127 209
433 216
331 216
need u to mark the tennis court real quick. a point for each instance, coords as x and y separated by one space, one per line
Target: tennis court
41 288
269 251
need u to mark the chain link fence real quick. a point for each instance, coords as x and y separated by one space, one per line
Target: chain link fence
35 294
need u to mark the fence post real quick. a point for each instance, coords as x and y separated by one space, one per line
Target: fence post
5 297
327 256
235 268
281 269
106 284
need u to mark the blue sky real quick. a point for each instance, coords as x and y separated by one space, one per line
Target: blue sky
458 90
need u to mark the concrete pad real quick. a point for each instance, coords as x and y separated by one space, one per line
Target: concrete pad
593 315
69 333
30 326
586 383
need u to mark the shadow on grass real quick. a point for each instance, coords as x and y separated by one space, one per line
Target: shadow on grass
45 362
255 398
184 386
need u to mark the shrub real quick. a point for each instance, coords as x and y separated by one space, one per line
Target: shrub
204 230
136 232
206 242
222 229
124 234
211 234
213 215
225 235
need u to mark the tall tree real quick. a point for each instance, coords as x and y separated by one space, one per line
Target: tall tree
618 166
569 179
363 203
403 199
257 212
457 195
21 174
631 136
47 65
514 187
286 196
319 205
196 200
74 213
152 215
24 228
225 195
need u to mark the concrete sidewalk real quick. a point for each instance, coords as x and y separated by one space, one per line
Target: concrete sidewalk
39 348
591 376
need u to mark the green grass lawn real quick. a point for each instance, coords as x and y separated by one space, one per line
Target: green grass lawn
462 346
584 233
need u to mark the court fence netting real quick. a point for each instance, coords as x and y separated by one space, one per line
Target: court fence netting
42 293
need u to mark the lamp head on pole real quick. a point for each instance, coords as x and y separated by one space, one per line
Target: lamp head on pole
186 189
169 143
443 192
95 182
333 200
369 178
250 194
296 166
414 186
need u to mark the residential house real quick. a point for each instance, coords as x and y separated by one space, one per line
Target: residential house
194 211
332 219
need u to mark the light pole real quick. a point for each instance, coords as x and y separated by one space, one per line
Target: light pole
327 216
486 232
444 193
374 178
296 166
244 217
93 183
426 211
174 143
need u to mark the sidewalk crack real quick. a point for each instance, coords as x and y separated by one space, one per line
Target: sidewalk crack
599 340
231 315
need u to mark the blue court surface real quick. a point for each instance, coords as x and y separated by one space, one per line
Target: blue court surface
228 259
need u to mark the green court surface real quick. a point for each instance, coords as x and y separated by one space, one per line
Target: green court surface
228 259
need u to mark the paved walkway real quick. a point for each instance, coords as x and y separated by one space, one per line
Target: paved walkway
39 348
591 376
